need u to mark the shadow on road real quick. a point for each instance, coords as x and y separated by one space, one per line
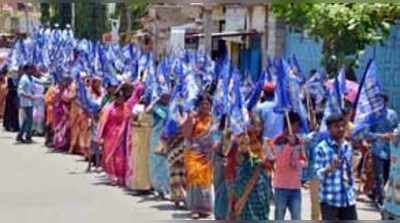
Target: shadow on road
77 173
103 181
164 207
181 216
370 207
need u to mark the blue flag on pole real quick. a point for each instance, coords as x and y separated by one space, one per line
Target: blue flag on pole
239 118
282 85
370 106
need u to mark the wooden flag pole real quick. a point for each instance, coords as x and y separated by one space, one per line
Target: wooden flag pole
289 125
308 106
310 111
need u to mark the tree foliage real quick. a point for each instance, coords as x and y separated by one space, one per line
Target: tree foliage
44 13
345 29
90 20
136 8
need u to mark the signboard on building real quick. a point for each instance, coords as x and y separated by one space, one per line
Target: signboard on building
259 18
177 39
235 20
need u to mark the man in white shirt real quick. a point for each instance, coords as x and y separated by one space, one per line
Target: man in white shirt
26 101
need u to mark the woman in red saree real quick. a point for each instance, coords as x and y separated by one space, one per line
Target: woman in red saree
115 133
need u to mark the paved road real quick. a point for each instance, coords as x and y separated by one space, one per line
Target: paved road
39 186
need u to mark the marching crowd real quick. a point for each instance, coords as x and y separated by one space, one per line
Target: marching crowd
219 149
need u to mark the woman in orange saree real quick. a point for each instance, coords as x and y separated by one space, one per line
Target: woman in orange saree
49 104
80 135
198 161
115 134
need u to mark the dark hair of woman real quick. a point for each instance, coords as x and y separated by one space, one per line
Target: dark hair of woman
201 98
212 87
4 70
222 123
294 118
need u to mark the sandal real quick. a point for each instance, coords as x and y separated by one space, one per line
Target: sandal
195 215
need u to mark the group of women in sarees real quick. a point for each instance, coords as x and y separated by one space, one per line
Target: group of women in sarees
202 166
215 172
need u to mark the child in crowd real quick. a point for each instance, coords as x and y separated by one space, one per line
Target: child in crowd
288 154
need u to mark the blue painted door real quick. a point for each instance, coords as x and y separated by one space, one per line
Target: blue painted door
386 56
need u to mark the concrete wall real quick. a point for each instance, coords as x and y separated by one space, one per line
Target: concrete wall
164 17
276 36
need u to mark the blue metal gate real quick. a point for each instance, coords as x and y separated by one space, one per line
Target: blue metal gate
386 56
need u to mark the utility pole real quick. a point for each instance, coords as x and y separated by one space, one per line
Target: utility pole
207 26
128 16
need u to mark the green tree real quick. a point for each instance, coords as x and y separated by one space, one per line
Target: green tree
61 13
90 20
136 8
345 29
44 13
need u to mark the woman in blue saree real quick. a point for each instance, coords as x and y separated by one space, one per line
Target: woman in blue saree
159 173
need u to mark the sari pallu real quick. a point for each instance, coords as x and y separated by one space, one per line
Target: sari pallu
199 167
177 171
61 124
256 206
158 164
80 134
116 131
141 147
243 161
3 94
221 209
49 112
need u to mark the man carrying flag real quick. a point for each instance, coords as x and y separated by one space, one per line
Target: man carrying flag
378 134
374 120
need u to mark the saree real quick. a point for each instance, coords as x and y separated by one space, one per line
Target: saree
243 162
11 114
220 183
115 130
177 171
141 147
199 168
79 120
49 99
256 207
158 164
60 120
3 94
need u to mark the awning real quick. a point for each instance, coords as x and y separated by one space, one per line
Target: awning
223 34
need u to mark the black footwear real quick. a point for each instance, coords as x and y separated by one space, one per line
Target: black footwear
20 139
28 141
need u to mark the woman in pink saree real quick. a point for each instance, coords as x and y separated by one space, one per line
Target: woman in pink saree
115 133
61 124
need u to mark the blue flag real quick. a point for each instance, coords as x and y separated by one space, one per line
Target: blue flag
282 85
370 106
316 88
297 69
239 119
